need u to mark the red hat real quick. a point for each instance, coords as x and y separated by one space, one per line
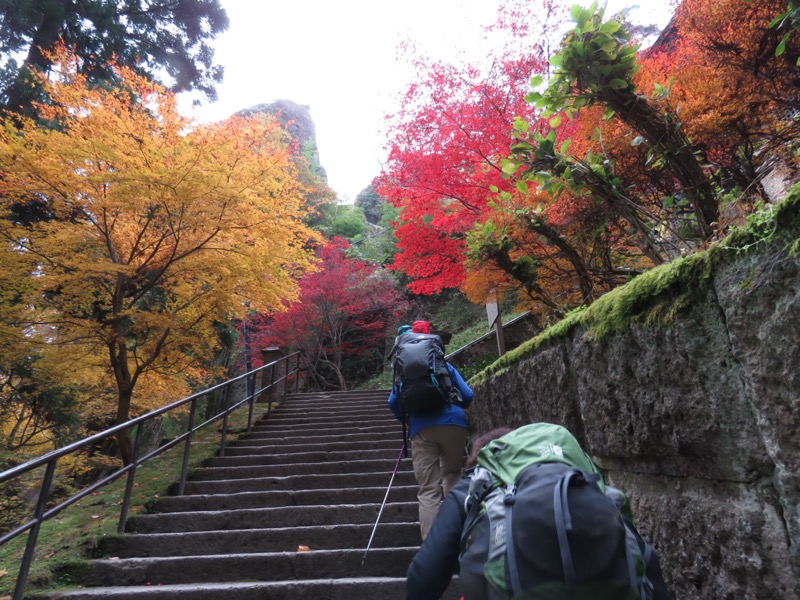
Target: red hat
421 327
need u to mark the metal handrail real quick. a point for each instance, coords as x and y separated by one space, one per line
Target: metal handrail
485 336
42 513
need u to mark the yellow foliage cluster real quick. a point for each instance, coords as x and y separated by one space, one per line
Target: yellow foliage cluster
155 229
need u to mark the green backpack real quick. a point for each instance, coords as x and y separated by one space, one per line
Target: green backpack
541 524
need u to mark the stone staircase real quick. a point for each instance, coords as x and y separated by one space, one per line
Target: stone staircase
286 513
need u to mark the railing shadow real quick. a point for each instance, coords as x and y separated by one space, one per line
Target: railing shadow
273 377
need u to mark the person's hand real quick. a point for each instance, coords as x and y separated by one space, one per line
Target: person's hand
455 397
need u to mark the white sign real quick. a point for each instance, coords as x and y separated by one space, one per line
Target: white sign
492 310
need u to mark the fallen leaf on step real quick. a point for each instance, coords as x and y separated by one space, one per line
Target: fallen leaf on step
303 549
3 573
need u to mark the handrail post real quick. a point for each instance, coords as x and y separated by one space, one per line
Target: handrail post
251 406
126 500
286 371
297 375
271 388
30 546
224 434
187 449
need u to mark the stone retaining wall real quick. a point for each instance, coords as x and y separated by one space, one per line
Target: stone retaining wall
691 407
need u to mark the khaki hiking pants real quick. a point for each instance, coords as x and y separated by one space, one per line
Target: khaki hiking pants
438 455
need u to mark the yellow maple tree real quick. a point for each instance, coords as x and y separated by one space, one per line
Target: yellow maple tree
155 229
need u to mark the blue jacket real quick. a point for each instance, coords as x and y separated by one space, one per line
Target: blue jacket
449 415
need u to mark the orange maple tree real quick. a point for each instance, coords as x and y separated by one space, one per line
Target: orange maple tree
734 94
153 230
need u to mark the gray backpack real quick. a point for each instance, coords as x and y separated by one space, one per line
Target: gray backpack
421 378
555 531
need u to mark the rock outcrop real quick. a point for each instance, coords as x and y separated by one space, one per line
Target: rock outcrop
296 119
684 388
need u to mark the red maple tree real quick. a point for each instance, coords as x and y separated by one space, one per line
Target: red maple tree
584 203
466 223
445 149
343 313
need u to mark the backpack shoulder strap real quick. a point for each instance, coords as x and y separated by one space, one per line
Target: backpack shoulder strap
509 499
563 517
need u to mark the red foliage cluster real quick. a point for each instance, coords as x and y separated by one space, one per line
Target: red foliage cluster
343 311
444 159
465 223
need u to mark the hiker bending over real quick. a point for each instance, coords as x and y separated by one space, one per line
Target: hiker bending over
431 395
593 560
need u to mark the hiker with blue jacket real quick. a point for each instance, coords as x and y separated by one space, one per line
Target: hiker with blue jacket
437 424
598 552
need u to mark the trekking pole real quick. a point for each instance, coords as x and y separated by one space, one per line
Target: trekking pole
380 512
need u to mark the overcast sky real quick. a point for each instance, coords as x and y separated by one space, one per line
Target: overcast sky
340 59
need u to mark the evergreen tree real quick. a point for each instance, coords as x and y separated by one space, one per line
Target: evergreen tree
158 38
372 203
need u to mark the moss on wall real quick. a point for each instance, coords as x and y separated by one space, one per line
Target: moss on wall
667 290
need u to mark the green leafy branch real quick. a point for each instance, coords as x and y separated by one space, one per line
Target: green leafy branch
790 18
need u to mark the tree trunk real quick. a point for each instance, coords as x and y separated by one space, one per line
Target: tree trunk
667 137
585 282
602 189
124 436
45 36
118 353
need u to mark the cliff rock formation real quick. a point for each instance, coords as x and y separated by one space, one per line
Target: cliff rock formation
683 386
296 119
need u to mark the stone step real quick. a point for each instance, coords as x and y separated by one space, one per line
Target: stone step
246 447
321 468
353 588
315 397
264 518
266 432
372 410
277 539
261 566
319 436
321 421
330 405
376 414
374 407
286 458
234 501
296 482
